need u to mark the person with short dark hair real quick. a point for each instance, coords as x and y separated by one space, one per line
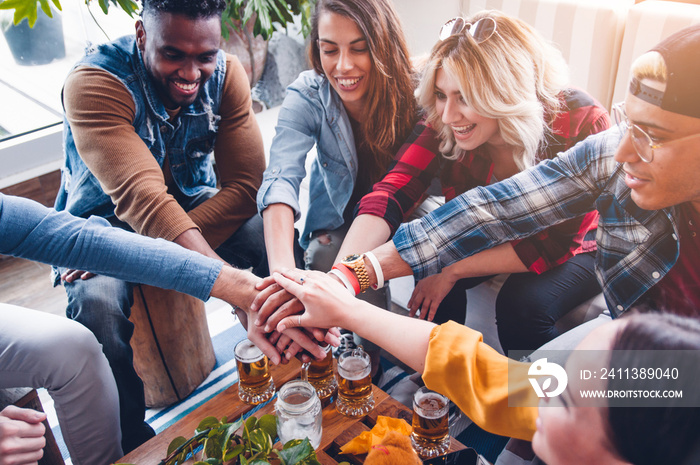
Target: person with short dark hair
146 116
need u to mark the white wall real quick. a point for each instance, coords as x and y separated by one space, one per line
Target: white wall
422 20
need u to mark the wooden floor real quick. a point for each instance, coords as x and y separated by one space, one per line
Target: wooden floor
28 284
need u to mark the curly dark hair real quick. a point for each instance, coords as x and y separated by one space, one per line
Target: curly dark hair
193 9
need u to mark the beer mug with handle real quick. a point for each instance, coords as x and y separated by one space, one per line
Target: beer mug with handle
431 432
320 374
255 384
355 396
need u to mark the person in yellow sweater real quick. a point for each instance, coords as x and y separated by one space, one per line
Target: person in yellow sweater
496 393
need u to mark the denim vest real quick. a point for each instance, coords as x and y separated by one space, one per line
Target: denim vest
188 141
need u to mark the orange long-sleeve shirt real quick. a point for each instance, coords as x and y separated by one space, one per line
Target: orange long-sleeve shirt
479 380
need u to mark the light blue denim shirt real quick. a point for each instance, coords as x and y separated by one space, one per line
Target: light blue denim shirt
312 113
188 141
636 247
32 231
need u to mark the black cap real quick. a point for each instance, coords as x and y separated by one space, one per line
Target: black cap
681 53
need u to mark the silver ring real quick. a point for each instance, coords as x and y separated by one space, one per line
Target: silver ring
301 281
299 317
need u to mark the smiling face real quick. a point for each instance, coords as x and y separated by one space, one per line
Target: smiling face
570 433
469 128
179 54
345 59
673 177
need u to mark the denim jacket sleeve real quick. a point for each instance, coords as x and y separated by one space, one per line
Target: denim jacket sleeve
529 202
295 135
32 231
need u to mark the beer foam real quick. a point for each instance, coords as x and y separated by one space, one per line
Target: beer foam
431 405
246 351
354 368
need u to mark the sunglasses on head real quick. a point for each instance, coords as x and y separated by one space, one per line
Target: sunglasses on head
480 30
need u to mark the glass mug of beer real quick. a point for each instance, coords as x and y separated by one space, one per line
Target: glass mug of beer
255 383
298 411
431 432
355 396
319 373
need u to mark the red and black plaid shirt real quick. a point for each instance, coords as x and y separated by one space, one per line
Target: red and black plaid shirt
419 161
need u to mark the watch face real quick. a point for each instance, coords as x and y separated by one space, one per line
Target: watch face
351 258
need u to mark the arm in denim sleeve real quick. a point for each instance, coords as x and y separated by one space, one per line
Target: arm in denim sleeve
294 138
32 231
529 202
416 164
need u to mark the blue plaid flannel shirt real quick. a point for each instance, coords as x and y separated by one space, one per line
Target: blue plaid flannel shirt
636 247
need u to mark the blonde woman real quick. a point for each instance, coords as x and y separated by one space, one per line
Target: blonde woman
496 103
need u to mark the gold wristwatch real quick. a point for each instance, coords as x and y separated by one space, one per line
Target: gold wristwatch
357 264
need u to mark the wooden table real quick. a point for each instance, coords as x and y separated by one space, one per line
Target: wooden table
337 429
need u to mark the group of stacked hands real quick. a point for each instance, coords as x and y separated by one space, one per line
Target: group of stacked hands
144 113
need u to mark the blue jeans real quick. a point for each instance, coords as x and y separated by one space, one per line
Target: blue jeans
103 305
528 305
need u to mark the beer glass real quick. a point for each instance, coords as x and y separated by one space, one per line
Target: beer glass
431 433
355 396
255 383
319 373
298 411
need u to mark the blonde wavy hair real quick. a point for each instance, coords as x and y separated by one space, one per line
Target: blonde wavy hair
515 76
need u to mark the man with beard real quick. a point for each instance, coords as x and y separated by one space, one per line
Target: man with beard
143 115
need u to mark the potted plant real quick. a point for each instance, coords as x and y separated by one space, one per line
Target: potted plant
247 25
249 442
247 19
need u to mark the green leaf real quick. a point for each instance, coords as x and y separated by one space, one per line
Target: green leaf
268 423
251 423
175 443
261 441
207 423
210 461
233 453
231 433
129 6
23 9
212 447
295 452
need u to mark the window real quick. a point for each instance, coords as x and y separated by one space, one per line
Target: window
36 61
